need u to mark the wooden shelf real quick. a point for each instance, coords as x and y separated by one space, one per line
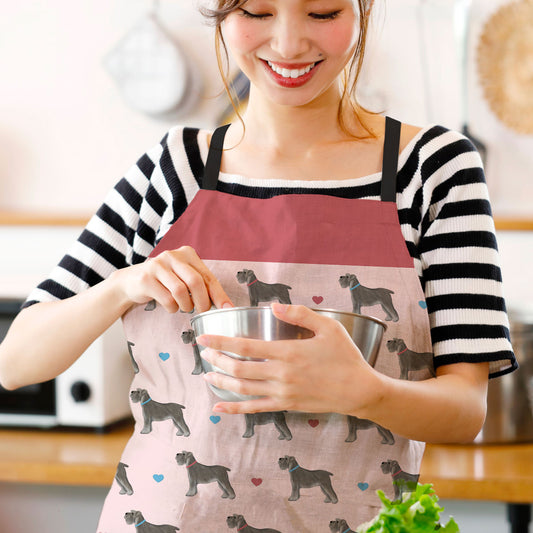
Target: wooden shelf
21 218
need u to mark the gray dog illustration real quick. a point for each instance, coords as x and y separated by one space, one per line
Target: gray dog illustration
151 305
339 525
367 297
259 291
122 480
354 424
188 337
155 412
277 418
303 478
410 360
133 362
199 473
403 482
238 521
136 518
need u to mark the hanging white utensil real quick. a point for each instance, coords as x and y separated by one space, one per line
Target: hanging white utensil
152 71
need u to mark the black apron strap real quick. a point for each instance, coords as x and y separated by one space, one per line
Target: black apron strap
212 166
391 151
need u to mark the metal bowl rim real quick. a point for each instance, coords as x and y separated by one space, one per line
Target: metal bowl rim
264 307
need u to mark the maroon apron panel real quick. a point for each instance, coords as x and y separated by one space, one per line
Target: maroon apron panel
297 228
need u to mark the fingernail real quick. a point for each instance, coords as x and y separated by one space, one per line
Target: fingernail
226 305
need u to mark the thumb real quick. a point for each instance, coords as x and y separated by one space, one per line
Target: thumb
299 315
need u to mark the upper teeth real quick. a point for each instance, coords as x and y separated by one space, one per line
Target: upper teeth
290 73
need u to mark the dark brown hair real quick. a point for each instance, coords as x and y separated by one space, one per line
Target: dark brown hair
218 14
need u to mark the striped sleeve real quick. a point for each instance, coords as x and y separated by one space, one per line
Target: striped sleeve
125 229
454 243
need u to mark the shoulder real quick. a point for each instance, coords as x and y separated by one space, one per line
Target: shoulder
434 137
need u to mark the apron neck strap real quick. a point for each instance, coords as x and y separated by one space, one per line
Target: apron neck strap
212 166
391 151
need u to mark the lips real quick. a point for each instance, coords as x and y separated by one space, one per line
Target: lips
291 75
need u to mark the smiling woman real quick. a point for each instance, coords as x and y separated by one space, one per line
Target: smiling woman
331 35
309 201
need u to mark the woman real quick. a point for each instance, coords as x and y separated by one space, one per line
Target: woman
294 194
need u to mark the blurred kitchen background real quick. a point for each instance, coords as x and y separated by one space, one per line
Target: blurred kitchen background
87 87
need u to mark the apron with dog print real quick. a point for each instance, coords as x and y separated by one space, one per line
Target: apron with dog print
188 469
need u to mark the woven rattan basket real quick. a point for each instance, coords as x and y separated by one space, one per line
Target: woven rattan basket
505 64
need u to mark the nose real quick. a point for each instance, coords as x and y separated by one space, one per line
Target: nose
290 38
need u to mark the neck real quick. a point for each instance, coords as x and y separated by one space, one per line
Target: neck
286 128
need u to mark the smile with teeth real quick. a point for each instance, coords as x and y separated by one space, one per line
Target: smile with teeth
290 73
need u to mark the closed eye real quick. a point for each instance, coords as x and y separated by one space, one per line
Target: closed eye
248 14
325 16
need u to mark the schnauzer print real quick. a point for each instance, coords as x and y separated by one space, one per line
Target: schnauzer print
136 519
303 478
277 418
259 291
133 362
237 521
339 525
410 360
122 479
199 473
354 424
188 337
366 297
403 482
155 412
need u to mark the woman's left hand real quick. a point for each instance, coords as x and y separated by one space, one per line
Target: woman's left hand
325 373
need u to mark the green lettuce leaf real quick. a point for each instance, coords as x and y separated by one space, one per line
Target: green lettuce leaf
418 512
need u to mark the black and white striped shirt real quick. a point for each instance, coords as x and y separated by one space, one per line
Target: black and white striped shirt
443 208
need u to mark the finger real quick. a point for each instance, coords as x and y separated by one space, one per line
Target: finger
299 315
259 370
158 292
242 387
252 348
194 290
215 290
176 288
258 405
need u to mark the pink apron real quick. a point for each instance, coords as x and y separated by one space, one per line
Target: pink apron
191 470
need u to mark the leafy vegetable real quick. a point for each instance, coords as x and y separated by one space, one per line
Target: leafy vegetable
417 513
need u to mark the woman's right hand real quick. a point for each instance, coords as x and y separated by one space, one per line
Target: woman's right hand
176 279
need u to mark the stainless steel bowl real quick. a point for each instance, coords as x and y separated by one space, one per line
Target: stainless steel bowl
260 323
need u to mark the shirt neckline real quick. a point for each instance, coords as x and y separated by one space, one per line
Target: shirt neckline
240 179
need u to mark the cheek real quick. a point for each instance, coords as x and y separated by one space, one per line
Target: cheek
340 39
239 35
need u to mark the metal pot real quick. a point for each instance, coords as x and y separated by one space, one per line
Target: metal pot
510 397
260 323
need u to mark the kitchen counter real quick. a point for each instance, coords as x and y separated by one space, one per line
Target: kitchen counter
465 472
462 472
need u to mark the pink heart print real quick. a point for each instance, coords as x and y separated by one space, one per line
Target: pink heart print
318 299
313 422
257 481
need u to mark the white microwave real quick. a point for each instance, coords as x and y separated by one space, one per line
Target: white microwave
92 393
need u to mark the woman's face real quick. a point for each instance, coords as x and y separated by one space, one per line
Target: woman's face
293 50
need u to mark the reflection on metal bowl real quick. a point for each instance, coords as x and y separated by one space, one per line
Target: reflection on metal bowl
260 323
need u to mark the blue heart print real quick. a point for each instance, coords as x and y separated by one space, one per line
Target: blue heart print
362 486
164 356
423 304
215 419
158 477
